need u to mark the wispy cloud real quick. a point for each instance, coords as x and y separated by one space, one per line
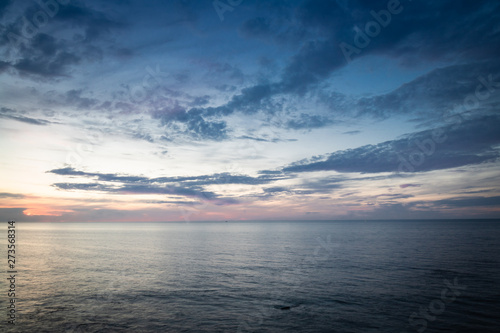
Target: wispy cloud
11 114
453 147
191 186
12 195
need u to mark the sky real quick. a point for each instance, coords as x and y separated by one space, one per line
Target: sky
189 110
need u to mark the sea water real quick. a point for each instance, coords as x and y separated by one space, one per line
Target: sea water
308 276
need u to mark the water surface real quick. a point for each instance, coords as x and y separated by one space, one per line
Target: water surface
347 276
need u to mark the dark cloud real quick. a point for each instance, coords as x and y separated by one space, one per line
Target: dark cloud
435 93
41 56
84 187
16 214
455 145
35 53
202 129
468 25
469 202
328 184
93 22
74 97
48 68
4 4
477 191
203 180
270 172
306 121
387 196
173 202
257 27
190 192
27 120
4 65
11 114
44 56
200 101
191 187
275 189
195 125
265 139
12 195
323 185
409 185
313 63
246 137
144 136
68 171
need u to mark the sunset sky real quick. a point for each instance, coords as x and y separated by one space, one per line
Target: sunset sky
189 110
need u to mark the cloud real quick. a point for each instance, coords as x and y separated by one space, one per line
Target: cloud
322 185
409 185
74 97
203 180
256 27
11 114
265 138
33 53
428 98
189 192
191 187
320 26
54 67
93 22
306 121
68 171
275 189
12 195
469 202
432 94
195 125
4 65
393 196
27 120
44 56
173 202
3 6
9 214
456 147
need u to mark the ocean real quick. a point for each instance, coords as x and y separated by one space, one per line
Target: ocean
308 276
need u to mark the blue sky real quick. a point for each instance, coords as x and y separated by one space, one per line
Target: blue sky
239 110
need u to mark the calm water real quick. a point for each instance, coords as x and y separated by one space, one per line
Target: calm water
256 277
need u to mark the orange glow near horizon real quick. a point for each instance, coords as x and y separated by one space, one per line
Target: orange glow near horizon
44 211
